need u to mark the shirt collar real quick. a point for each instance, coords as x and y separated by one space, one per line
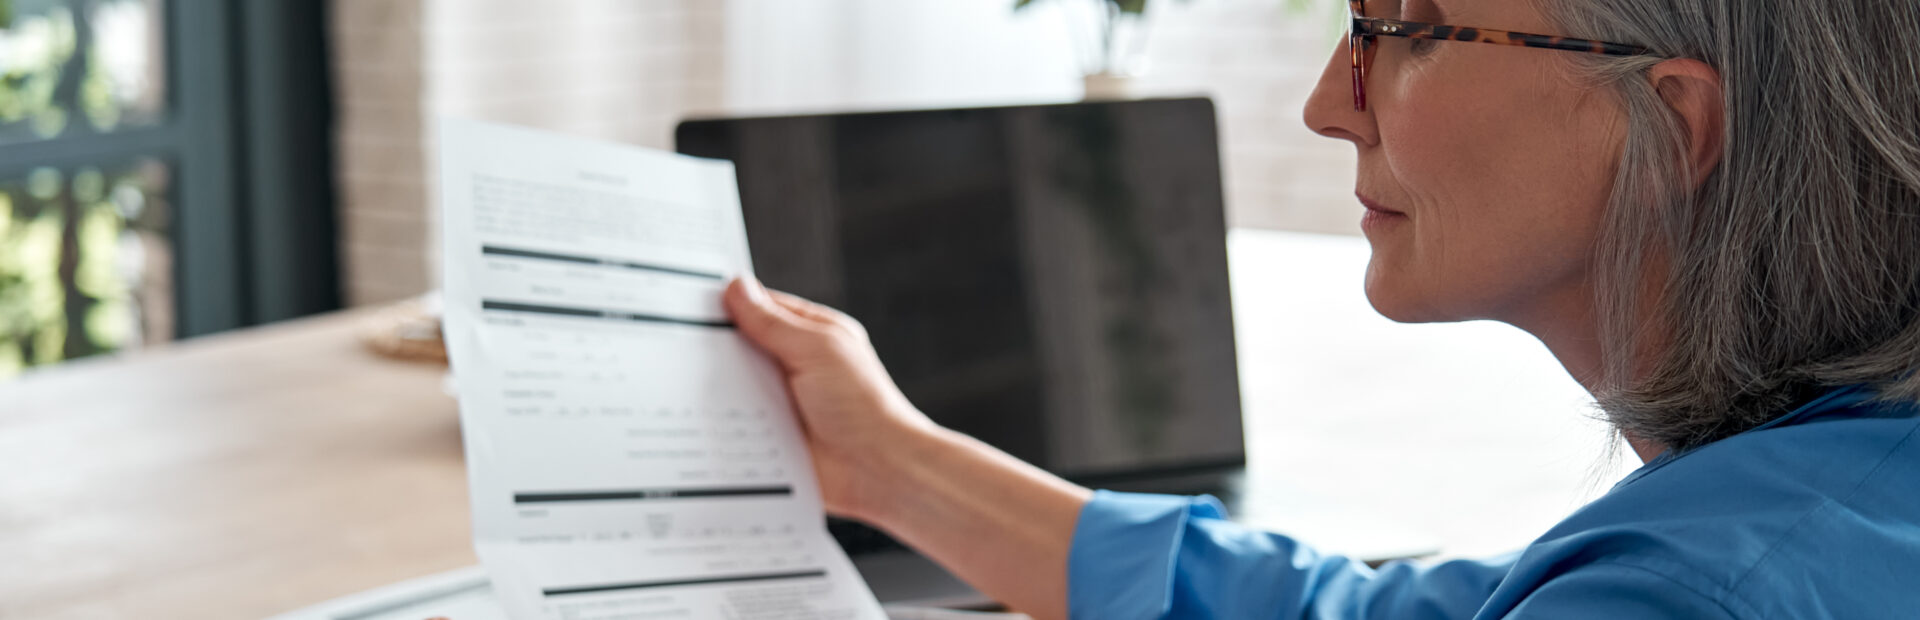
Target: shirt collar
1834 400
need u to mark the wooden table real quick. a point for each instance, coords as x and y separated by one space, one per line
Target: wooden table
235 476
257 472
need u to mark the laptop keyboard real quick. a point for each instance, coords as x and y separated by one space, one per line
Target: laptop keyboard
858 539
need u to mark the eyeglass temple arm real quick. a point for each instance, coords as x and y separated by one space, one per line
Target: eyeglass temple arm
1378 26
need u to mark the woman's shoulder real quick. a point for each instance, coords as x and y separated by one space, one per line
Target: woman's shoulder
1784 521
1843 446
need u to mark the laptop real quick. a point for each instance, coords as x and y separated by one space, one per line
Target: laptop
1051 279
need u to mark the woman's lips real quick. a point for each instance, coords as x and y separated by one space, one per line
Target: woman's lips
1377 207
1378 217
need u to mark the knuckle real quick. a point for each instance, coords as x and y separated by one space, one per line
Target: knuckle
821 334
849 330
849 325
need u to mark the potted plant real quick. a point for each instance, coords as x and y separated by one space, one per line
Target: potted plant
1111 40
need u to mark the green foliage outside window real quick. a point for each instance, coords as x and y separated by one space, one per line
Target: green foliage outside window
91 62
83 260
84 255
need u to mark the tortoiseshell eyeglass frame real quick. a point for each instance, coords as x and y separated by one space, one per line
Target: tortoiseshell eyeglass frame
1361 31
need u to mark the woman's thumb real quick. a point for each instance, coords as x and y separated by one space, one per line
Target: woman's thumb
773 328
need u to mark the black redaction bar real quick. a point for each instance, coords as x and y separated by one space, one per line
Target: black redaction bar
641 585
637 494
494 250
591 313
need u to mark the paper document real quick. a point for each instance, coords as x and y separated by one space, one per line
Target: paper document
629 454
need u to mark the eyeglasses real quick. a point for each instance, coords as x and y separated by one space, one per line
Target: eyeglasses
1362 31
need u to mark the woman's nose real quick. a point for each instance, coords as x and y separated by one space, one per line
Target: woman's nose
1330 109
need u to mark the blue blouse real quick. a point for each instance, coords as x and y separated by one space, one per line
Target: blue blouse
1814 515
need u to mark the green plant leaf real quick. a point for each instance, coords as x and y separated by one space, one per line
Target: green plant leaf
1017 4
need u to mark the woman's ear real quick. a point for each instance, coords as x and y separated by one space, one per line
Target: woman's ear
1692 89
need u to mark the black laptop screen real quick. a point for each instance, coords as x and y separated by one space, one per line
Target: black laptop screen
1049 279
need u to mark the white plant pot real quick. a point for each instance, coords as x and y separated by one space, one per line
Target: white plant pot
1109 86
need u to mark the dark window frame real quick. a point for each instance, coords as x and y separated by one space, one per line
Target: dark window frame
248 136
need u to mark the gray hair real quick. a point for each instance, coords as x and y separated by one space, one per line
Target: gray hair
1792 267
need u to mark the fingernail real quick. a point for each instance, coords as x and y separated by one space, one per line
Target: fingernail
755 292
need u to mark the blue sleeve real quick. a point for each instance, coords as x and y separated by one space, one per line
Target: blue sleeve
1161 556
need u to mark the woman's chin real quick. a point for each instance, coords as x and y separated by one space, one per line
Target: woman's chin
1393 311
1395 299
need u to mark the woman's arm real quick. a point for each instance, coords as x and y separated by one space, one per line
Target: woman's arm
998 523
1002 525
1008 528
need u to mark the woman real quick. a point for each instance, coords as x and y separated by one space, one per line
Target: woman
1709 210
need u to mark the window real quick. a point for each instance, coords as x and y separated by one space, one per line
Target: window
164 172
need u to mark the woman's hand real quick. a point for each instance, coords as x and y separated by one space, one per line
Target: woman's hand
853 416
1002 525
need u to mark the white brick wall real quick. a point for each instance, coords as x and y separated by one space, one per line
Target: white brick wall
379 84
1257 59
1259 62
615 69
629 69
